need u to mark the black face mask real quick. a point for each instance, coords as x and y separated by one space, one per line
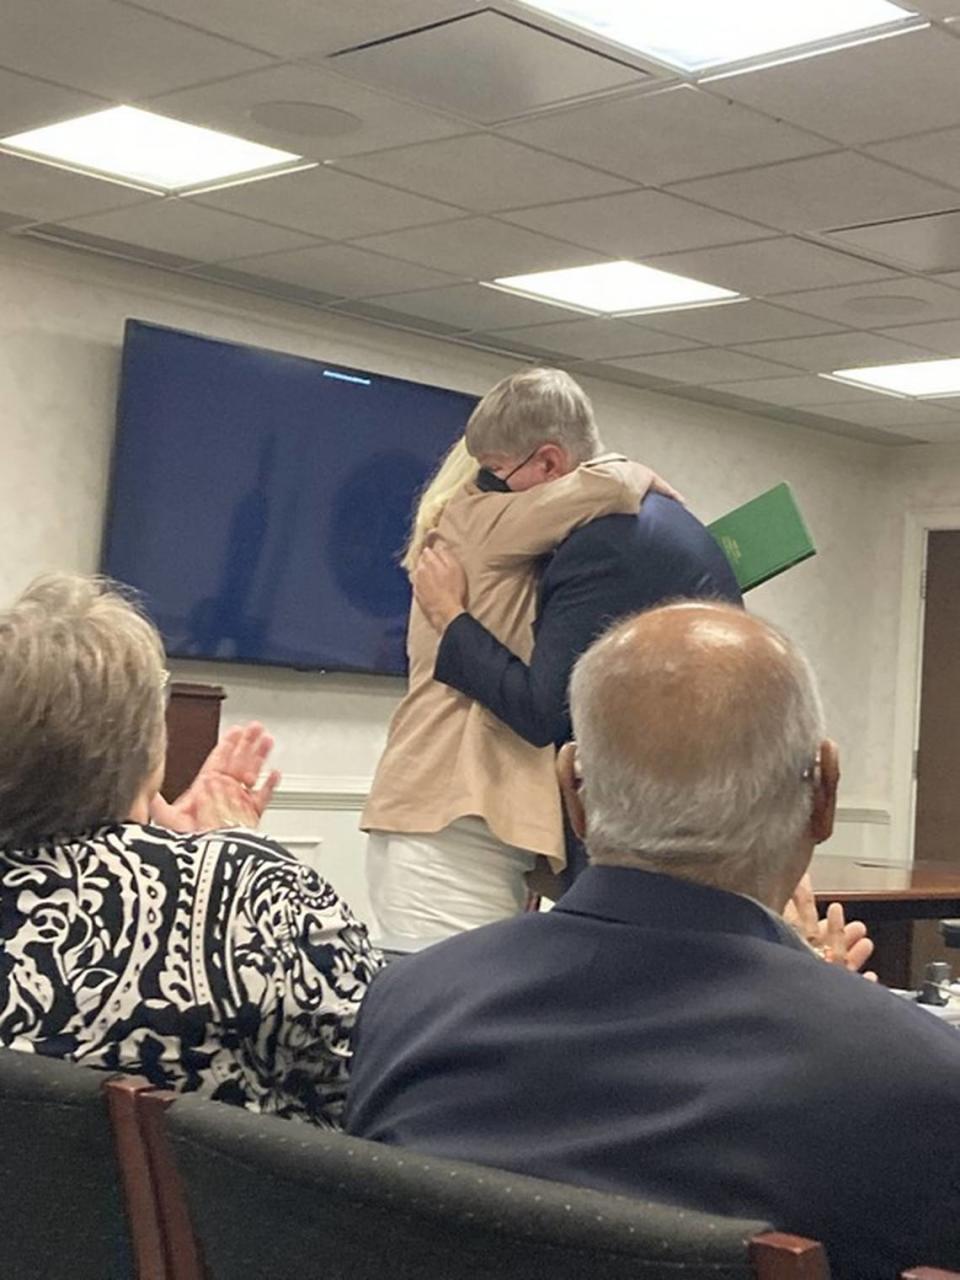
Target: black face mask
489 482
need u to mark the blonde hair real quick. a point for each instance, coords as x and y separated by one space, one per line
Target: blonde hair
82 708
530 408
456 469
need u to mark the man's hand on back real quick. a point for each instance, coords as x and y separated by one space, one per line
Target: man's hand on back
440 586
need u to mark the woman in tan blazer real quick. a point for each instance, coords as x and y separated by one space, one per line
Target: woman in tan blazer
461 806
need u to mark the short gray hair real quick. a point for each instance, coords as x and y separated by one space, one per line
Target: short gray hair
82 708
530 408
695 746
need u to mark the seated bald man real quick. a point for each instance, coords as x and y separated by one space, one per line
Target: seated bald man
661 1032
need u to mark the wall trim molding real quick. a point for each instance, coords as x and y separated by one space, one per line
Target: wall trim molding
348 794
863 813
319 793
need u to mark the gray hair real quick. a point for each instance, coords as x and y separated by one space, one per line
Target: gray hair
530 408
696 736
81 705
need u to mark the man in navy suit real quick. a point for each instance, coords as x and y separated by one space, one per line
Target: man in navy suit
538 425
662 1032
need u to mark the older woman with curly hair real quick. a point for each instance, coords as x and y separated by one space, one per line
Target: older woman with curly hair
138 936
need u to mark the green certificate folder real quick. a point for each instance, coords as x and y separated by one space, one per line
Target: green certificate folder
764 537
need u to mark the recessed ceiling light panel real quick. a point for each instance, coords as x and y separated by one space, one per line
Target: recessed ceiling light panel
920 379
615 288
153 152
695 35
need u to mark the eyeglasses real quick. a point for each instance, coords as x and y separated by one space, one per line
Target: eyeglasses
521 465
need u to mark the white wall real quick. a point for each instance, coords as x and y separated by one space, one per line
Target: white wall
61 324
925 483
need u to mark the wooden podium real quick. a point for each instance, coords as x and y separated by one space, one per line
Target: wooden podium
193 727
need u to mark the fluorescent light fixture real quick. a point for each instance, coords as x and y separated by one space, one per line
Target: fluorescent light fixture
920 379
615 288
693 35
149 151
812 51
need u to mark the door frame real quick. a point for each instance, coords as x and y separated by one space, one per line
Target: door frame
906 723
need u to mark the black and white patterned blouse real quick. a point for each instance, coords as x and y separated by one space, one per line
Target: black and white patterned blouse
213 962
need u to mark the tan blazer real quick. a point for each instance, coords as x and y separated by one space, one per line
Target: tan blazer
446 756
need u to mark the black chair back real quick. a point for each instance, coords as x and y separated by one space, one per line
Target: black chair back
276 1200
63 1212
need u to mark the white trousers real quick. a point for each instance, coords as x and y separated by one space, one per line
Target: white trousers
428 886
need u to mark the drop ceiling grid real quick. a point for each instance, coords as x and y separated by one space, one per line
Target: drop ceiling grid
788 143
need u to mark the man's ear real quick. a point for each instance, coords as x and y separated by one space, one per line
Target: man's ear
825 782
554 461
568 775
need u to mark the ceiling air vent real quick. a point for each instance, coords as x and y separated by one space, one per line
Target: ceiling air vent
486 67
74 239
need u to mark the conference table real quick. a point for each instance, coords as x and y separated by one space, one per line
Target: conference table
889 897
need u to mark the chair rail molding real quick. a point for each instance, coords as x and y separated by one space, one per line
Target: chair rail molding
319 792
349 793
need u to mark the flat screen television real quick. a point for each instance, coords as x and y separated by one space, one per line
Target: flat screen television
259 501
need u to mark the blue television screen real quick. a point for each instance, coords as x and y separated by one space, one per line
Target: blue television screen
259 501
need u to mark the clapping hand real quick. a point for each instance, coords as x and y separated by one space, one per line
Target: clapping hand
224 792
837 941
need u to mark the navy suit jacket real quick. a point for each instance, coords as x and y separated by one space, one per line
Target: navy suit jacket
675 1042
610 568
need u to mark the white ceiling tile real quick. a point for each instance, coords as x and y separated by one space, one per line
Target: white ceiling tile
41 193
596 339
26 103
739 322
637 224
328 204
935 155
835 351
231 105
486 66
664 137
298 28
483 173
706 365
470 306
113 50
882 89
345 271
879 304
941 336
823 191
180 227
798 392
771 266
930 243
481 248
